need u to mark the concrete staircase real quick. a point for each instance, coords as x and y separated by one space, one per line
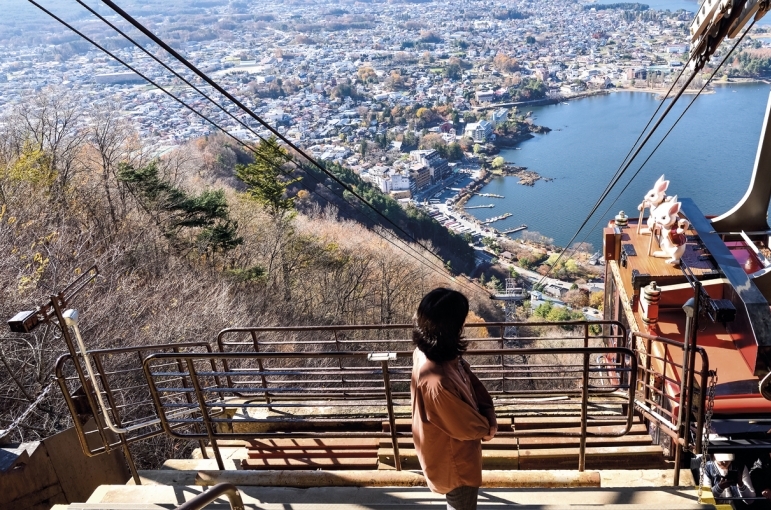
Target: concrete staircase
356 474
608 489
543 451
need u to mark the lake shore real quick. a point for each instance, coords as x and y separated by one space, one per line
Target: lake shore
709 90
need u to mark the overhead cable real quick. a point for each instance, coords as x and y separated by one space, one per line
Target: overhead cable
438 269
620 193
618 176
23 416
139 26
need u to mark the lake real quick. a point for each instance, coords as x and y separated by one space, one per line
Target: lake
707 157
676 5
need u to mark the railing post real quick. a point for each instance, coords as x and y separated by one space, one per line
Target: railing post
503 360
116 416
84 381
691 308
391 416
584 402
201 442
205 413
262 370
647 382
702 402
337 348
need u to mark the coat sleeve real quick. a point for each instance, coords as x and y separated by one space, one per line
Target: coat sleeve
452 415
748 491
710 479
486 406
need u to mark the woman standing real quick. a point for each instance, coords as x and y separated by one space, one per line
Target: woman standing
452 412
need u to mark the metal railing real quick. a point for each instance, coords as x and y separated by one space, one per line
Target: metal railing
124 390
668 394
210 496
196 395
359 391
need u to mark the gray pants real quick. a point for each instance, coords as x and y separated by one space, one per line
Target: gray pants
462 498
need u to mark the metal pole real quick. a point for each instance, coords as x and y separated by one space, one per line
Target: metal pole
683 414
391 417
584 403
84 381
205 413
114 409
691 362
647 379
189 399
703 402
262 369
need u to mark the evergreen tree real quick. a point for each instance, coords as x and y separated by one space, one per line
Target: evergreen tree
179 214
266 182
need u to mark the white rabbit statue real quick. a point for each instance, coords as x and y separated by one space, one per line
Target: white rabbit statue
673 240
653 199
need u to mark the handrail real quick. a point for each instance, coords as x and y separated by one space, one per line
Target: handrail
678 426
406 339
109 441
293 393
221 489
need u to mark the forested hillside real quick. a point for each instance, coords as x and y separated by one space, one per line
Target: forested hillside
187 244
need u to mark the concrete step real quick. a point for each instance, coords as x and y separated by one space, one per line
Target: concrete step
496 443
597 457
311 462
553 422
208 476
316 443
158 497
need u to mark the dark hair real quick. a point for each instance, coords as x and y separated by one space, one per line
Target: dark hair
439 323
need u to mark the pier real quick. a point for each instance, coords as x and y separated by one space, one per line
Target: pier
488 206
490 195
511 231
496 218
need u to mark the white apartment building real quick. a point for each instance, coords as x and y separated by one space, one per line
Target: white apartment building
479 131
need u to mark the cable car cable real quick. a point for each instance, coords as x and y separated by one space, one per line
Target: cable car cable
620 193
207 119
221 107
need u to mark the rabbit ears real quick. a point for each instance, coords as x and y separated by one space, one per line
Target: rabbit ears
674 206
661 185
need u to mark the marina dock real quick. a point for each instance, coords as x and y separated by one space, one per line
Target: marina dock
512 230
488 206
490 195
496 218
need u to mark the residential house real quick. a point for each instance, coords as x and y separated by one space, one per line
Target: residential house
499 116
479 131
438 167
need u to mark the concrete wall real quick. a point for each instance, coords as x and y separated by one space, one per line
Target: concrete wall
57 471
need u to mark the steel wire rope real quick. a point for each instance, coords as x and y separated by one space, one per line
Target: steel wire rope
202 75
139 26
439 269
603 215
653 116
221 107
617 177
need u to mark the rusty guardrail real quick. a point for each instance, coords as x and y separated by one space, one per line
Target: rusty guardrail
513 373
668 394
124 388
362 390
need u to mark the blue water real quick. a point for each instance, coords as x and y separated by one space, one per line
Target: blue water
708 157
676 5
